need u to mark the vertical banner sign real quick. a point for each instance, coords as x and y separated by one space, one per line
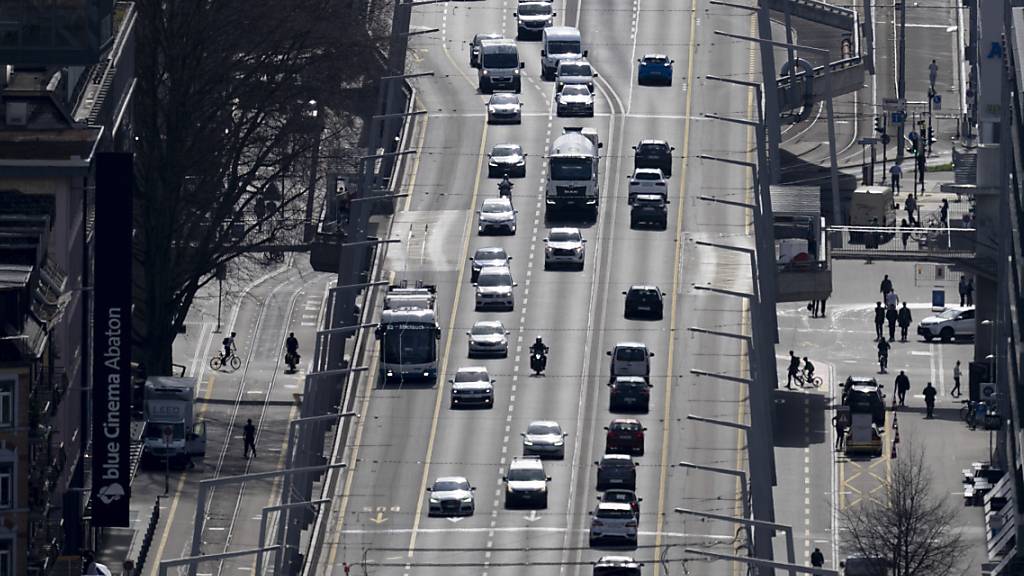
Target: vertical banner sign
111 382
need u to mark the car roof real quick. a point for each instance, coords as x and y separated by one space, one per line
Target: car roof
451 479
630 380
474 369
490 250
645 286
626 457
487 270
648 171
504 96
487 36
630 421
489 323
655 56
543 423
565 230
569 61
575 88
650 141
616 560
505 202
527 462
506 146
862 380
631 345
620 506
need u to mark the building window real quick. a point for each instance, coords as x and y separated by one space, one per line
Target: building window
7 402
6 557
6 487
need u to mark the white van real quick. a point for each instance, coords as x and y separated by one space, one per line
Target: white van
630 359
559 43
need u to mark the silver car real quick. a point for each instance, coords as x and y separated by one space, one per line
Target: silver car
494 289
613 520
488 257
574 100
472 385
506 158
496 215
504 107
451 496
564 247
544 438
488 338
576 71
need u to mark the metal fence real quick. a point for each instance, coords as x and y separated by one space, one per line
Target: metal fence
898 243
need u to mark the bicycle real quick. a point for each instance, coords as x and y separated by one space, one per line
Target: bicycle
219 361
801 379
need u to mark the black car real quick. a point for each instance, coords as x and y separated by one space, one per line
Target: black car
644 301
616 471
649 209
653 154
629 394
864 395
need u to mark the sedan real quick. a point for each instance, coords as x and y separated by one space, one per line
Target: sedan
487 257
488 338
494 289
629 393
623 497
616 471
654 69
504 107
646 181
544 438
574 100
506 159
451 496
497 215
564 247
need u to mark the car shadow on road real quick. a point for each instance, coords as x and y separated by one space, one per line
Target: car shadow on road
799 418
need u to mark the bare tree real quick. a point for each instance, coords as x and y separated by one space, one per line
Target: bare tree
230 101
908 524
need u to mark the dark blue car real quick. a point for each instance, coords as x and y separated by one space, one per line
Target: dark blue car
655 69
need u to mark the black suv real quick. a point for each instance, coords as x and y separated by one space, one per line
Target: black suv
649 209
653 154
643 301
864 396
629 394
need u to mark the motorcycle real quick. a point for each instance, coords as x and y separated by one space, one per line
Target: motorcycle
538 361
292 360
505 188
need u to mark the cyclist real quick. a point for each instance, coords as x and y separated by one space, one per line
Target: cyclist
229 347
794 370
808 372
883 353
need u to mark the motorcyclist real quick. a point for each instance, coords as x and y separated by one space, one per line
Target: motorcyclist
291 346
538 347
505 186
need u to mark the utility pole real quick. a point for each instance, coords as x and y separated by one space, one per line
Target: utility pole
901 72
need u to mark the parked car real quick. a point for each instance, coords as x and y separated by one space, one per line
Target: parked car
953 322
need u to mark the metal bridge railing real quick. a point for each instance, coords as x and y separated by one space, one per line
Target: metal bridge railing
898 243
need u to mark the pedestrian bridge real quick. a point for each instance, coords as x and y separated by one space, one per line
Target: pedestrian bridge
939 245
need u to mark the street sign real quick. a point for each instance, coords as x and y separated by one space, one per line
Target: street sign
937 102
897 117
867 141
893 104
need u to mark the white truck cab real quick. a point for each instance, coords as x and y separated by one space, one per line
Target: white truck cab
171 434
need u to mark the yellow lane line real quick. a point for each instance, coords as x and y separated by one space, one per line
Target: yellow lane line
676 276
154 571
447 348
411 187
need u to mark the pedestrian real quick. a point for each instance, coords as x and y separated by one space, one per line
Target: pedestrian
794 369
955 392
895 172
892 299
944 213
823 307
902 385
879 320
929 400
892 316
933 74
249 437
921 168
962 287
91 567
886 286
871 239
911 206
840 427
905 235
970 292
904 319
817 558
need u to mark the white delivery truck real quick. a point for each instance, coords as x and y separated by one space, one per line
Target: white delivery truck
559 43
171 435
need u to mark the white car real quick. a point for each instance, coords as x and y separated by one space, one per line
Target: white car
613 520
504 107
494 288
526 484
577 71
544 438
488 338
646 181
574 100
630 359
451 496
472 385
496 215
953 322
564 247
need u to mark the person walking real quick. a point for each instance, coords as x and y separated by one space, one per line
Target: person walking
955 392
904 236
902 385
895 172
962 287
249 437
904 319
911 207
892 316
883 355
892 299
879 320
933 74
970 292
817 558
886 286
944 213
794 369
929 400
840 427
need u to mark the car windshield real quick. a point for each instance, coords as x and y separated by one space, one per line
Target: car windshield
506 150
544 429
652 150
644 294
501 60
655 60
565 236
535 9
619 496
575 90
564 47
470 376
616 463
630 385
626 426
503 99
646 176
487 328
574 70
495 279
950 313
603 512
490 254
448 486
525 474
630 355
571 169
495 206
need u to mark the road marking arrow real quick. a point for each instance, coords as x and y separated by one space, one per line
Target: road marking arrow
533 517
454 519
379 519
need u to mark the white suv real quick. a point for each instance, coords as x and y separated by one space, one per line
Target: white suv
526 484
630 359
494 288
564 247
953 322
613 520
472 385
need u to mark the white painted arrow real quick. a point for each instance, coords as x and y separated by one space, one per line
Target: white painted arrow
454 519
533 517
